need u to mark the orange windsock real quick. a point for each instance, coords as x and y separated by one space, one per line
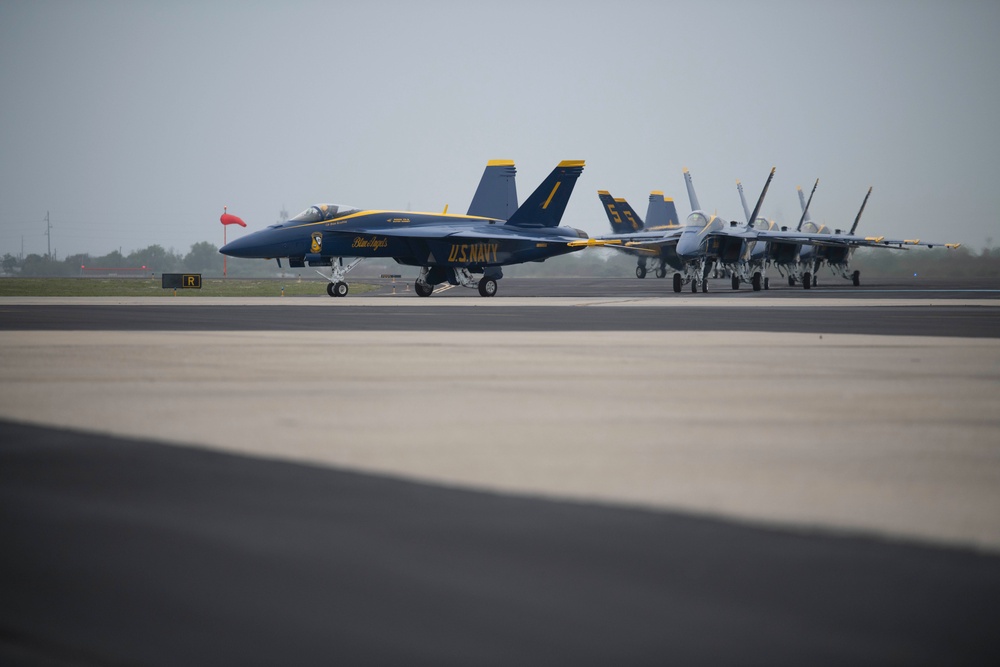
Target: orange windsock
230 219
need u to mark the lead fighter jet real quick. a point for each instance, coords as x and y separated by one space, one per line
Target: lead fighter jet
447 247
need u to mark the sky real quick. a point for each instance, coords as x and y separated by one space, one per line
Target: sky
134 123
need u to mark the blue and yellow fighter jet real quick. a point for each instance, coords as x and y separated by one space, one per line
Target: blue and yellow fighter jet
661 215
447 247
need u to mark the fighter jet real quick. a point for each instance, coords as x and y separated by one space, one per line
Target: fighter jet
835 248
783 254
467 250
693 249
661 215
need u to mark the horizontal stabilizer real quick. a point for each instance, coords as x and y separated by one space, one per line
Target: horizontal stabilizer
546 205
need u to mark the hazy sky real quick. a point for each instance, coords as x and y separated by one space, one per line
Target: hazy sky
134 123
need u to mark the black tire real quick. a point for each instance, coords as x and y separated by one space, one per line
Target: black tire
856 278
815 280
640 272
704 285
677 282
694 286
661 272
487 287
767 283
423 289
806 281
755 281
736 281
341 288
330 290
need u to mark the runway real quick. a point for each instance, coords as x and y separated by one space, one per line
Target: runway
530 479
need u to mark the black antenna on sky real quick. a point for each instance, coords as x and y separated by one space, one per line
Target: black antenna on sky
48 233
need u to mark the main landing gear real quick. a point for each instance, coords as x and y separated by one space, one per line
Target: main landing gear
757 282
486 285
660 271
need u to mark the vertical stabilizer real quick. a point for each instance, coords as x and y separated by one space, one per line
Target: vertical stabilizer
743 199
760 200
695 206
805 205
633 222
661 212
858 219
614 214
496 196
546 205
621 215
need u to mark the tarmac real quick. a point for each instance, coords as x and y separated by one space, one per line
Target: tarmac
841 476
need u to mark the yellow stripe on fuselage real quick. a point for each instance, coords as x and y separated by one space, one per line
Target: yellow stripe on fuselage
394 214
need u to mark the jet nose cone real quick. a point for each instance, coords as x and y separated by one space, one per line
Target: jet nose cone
237 248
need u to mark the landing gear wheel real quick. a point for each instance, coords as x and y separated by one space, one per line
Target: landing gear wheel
677 282
487 287
814 280
856 278
806 281
640 272
791 281
340 288
755 281
736 282
661 272
330 290
767 283
423 289
704 285
694 286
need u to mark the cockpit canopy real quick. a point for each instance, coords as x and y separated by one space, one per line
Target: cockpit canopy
320 213
697 219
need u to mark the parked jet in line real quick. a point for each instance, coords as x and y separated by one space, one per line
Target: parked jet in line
450 248
661 215
835 249
694 248
757 262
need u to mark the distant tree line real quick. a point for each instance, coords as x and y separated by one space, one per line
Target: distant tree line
204 258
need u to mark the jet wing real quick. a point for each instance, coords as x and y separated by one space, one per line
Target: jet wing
642 242
849 240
